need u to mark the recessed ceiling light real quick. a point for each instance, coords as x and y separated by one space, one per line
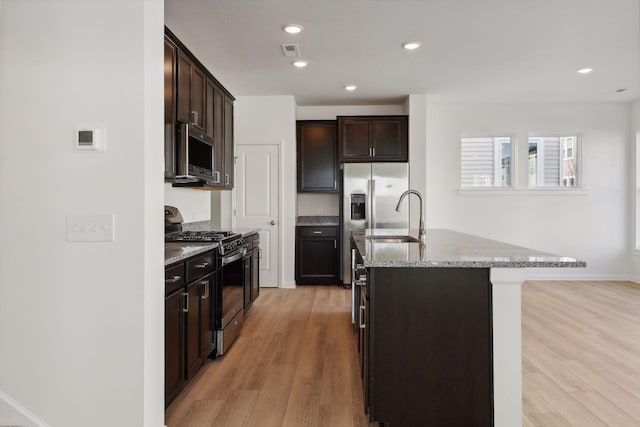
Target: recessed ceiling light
293 28
351 88
585 70
300 63
411 45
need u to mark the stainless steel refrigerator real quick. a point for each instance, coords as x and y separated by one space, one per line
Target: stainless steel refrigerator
370 192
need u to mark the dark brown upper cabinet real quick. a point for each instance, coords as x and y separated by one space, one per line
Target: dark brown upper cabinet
170 58
317 158
373 138
194 96
191 92
227 131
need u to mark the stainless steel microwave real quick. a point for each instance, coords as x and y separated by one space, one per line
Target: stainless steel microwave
195 156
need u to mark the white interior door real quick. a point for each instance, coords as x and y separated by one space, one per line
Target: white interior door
258 202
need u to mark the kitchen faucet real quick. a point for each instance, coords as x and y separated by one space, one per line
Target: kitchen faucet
417 193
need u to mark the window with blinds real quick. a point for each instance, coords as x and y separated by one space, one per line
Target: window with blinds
553 161
486 162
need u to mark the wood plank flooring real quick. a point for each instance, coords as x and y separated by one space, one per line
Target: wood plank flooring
295 362
581 353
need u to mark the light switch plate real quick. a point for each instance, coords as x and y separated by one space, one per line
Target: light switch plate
90 228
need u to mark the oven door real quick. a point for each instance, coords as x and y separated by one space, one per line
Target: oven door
232 294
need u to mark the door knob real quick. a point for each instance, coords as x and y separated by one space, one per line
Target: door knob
272 223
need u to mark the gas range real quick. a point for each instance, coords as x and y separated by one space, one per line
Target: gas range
230 242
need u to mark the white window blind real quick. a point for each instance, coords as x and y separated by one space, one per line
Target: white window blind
485 162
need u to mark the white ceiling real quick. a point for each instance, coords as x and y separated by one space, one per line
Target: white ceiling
472 50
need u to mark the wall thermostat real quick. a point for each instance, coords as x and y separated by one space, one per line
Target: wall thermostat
89 139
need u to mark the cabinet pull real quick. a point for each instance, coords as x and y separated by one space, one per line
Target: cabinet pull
370 155
373 152
205 289
335 245
317 232
226 179
203 265
174 279
216 177
335 185
194 117
362 325
186 302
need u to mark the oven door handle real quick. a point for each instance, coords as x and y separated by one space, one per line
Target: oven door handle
229 259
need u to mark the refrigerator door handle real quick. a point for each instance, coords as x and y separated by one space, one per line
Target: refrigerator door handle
372 196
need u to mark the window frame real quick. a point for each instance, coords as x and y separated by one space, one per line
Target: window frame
577 152
497 161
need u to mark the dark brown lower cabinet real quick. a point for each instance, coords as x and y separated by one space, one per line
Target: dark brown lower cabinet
174 377
426 346
251 271
317 255
255 274
190 314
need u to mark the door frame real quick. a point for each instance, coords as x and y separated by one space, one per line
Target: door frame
279 145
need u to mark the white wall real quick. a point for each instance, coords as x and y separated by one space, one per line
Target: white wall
81 324
270 120
194 205
416 108
592 227
310 204
330 112
634 189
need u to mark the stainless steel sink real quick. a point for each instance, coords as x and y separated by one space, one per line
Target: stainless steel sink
392 239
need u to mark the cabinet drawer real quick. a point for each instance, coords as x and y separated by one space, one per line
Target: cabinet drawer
200 266
318 231
174 278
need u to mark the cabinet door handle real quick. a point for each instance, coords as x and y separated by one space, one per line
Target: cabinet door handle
362 325
373 152
194 117
370 154
335 185
335 245
205 289
186 302
226 179
203 265
216 177
317 232
174 279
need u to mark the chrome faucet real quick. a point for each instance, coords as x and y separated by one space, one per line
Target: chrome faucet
417 193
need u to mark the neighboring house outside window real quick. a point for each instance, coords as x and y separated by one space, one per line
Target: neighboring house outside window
486 162
553 161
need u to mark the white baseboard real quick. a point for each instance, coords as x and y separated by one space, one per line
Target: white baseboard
288 285
12 413
532 274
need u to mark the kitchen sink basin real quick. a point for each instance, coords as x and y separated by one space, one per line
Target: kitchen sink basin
392 239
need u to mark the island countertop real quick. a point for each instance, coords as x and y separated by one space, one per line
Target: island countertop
447 248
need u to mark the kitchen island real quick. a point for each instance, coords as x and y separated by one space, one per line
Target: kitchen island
439 326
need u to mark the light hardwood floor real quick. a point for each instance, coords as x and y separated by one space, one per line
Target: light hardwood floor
581 354
295 362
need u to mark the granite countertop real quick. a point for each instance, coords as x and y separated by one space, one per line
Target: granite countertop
179 251
447 248
318 220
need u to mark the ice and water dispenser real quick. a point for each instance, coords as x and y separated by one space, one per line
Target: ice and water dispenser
358 206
